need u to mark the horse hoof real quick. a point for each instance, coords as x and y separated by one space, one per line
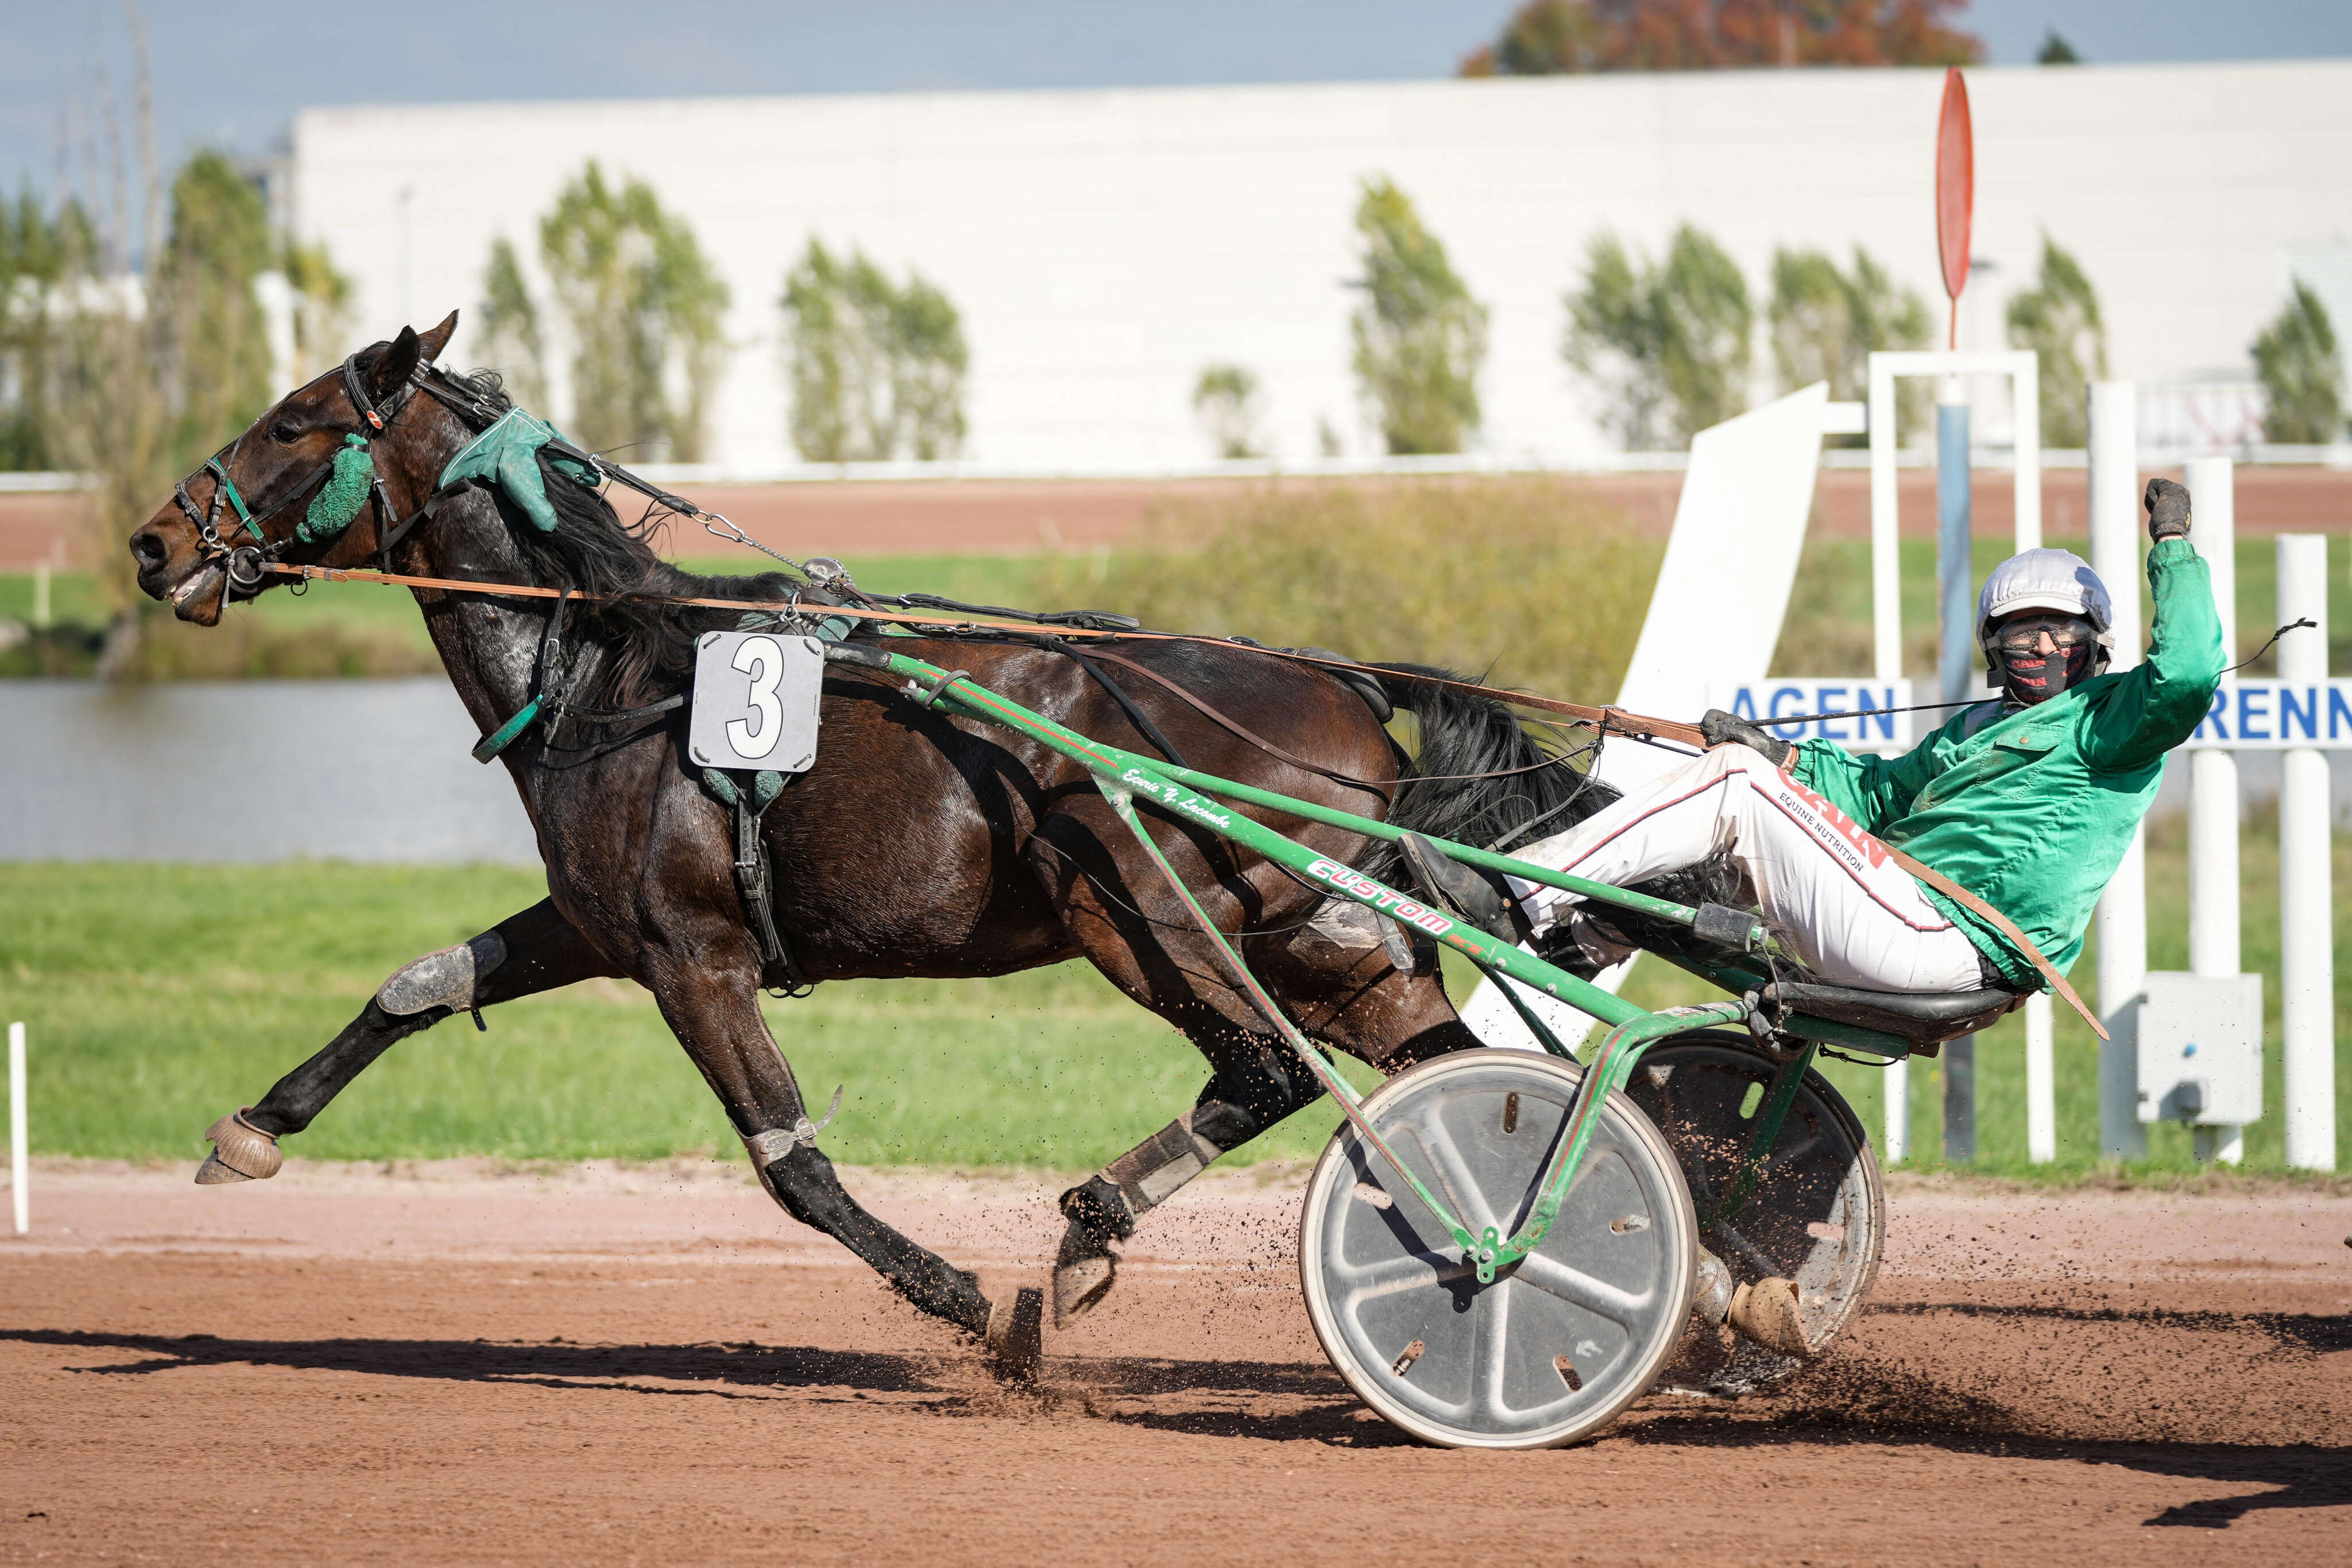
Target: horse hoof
1081 1285
241 1152
1016 1334
1765 1312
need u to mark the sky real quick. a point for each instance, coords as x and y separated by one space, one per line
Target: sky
231 73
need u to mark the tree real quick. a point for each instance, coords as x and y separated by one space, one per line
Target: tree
1826 323
642 308
220 242
322 305
36 251
511 340
2056 51
1548 37
1419 338
2302 369
1225 400
876 369
1669 342
2058 318
928 364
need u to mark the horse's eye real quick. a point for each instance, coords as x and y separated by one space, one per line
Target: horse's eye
285 432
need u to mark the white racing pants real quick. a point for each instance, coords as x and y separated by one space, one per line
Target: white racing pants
1832 891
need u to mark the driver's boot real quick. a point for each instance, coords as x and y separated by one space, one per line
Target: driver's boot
1481 897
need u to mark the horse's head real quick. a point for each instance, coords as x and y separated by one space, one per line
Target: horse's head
281 492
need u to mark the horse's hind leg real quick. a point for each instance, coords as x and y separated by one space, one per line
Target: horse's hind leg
1335 979
1258 1083
715 1017
536 950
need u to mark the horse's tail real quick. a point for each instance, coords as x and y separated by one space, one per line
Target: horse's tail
1481 777
1525 786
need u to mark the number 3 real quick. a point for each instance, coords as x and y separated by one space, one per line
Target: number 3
762 653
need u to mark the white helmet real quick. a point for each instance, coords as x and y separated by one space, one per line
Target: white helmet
2044 579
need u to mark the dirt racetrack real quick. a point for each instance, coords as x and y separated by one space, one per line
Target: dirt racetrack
654 1365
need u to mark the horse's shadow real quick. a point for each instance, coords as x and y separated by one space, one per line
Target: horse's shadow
2305 1475
1228 1398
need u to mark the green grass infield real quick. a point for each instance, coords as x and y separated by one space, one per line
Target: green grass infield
156 997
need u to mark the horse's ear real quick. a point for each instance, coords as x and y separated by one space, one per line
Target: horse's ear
394 365
434 341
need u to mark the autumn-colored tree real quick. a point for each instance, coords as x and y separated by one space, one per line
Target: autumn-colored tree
1551 38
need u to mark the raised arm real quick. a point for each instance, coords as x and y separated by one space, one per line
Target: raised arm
2158 703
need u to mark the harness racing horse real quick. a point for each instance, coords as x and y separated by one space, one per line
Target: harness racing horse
1022 861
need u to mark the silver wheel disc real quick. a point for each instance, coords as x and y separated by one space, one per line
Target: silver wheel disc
1560 1343
1817 1215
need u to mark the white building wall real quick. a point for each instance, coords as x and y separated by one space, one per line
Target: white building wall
1103 245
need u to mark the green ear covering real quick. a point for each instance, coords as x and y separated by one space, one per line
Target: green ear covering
344 493
507 455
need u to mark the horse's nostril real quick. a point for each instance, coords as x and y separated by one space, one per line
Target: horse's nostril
149 551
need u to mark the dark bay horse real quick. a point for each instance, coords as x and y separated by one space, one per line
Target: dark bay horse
917 845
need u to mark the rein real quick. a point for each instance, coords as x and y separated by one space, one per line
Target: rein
1628 726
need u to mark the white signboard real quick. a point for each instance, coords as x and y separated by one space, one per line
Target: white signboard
755 700
2270 716
1781 706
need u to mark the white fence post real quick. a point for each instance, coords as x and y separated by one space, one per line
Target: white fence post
2213 818
2040 1050
2122 908
2306 962
20 1154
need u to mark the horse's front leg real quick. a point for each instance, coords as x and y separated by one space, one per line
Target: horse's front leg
713 1008
537 950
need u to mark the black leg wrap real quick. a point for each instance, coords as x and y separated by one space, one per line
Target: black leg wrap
1258 1087
1100 1207
804 1182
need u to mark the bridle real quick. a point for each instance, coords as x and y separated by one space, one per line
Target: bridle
247 566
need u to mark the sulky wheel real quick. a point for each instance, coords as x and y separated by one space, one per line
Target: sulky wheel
1560 1343
1816 1218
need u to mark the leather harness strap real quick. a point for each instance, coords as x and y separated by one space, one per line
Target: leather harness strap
1236 727
1635 727
1609 720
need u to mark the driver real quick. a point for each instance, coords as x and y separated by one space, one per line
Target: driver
2028 802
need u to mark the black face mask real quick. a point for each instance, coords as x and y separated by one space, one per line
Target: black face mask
2030 677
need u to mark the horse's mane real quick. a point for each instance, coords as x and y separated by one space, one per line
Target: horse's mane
594 550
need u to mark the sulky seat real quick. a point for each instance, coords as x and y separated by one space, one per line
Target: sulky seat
1926 1019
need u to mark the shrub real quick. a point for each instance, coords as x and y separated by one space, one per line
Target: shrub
1524 578
1225 402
